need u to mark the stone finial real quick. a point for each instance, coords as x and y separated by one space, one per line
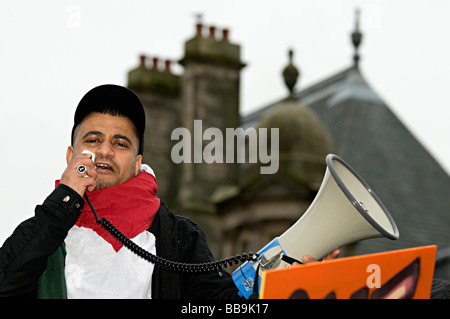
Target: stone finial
356 38
290 73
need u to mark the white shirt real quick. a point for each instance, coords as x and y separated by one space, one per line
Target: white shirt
95 270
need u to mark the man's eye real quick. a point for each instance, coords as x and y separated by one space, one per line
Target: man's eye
122 145
91 141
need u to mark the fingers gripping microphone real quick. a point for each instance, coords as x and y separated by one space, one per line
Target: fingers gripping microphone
345 210
89 153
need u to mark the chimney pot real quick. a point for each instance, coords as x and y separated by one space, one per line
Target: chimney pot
225 34
167 62
155 63
199 29
212 31
142 59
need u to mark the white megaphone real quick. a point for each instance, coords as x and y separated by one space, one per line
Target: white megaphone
345 210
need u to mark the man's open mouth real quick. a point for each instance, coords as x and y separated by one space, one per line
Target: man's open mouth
104 167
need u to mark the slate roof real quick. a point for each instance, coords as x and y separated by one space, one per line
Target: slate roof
373 140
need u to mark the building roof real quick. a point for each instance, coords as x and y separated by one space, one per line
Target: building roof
373 140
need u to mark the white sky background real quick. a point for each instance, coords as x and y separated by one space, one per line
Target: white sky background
52 52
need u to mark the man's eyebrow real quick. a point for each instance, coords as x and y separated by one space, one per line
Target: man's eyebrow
92 133
116 136
123 137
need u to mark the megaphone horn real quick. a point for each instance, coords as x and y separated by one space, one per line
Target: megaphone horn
345 210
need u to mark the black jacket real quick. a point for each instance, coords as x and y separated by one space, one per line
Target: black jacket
30 251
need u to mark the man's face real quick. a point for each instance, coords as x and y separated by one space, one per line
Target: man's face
114 141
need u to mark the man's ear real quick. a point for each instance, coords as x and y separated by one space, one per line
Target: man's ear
138 163
69 154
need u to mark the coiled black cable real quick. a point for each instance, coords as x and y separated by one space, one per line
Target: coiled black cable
165 264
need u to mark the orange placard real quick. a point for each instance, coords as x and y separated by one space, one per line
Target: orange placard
398 274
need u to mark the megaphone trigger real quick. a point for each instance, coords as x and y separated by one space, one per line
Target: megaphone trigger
290 260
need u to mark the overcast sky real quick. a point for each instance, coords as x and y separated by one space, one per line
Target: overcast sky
52 52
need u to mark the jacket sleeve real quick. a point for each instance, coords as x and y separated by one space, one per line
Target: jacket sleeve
23 256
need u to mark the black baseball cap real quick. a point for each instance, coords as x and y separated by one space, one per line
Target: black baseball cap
114 99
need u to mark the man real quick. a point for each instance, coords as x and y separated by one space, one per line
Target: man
63 252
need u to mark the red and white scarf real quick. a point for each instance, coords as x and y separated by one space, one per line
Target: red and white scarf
130 207
96 264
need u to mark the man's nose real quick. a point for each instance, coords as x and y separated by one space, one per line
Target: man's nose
104 149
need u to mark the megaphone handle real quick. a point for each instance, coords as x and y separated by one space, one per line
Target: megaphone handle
255 294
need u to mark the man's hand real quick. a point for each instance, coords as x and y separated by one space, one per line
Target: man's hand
308 259
75 180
